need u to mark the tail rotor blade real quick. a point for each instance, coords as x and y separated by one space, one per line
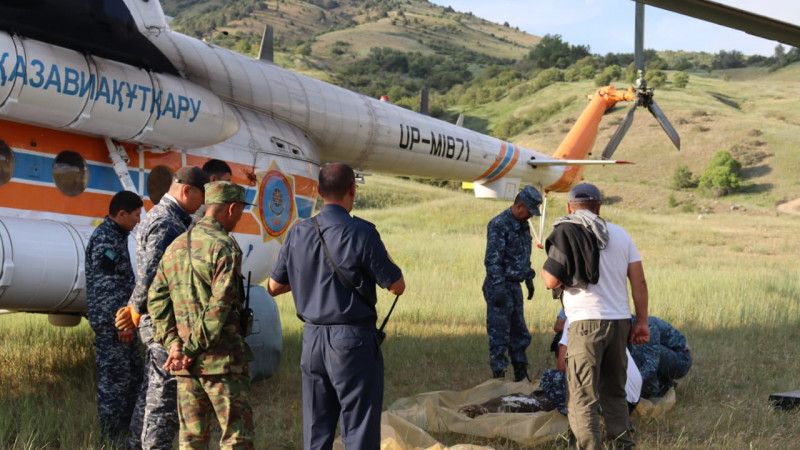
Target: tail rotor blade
665 125
619 133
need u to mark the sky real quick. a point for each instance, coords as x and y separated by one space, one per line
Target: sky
608 25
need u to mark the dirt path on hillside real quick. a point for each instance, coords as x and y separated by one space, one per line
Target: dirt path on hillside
790 207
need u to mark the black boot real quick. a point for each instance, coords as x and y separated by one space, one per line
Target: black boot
499 373
521 372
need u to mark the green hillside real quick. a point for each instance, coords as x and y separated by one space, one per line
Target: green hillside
754 115
339 31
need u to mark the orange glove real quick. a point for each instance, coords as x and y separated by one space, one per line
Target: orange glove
127 318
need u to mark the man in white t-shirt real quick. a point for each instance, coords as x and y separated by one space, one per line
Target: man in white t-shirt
592 261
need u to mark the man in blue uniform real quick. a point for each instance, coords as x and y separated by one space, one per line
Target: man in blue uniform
662 360
155 418
508 263
109 283
341 362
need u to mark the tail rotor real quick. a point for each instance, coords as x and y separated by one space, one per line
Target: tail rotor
643 96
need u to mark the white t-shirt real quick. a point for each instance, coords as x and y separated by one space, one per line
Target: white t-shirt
608 299
633 383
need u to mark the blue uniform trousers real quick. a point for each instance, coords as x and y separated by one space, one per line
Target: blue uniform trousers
154 424
505 325
342 368
119 375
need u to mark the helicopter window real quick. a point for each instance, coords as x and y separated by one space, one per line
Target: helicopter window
158 183
6 163
286 147
70 173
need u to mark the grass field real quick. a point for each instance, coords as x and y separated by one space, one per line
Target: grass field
729 282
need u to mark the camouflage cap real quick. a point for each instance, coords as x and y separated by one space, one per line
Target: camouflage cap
192 176
225 192
585 192
532 199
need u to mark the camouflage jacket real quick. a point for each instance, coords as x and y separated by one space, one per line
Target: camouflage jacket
109 275
200 307
648 356
508 249
160 226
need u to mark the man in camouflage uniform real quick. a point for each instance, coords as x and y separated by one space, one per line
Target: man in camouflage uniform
662 360
109 283
155 419
195 301
508 263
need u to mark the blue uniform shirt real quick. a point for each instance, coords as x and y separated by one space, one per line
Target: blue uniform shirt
320 297
508 250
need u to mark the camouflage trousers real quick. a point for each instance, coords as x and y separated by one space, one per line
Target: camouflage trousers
505 325
154 424
226 396
119 375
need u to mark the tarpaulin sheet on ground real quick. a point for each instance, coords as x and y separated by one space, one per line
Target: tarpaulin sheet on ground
403 425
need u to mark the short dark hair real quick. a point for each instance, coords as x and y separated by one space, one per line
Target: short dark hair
591 205
335 180
124 201
216 167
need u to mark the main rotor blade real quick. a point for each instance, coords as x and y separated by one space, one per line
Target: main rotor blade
664 122
619 134
638 55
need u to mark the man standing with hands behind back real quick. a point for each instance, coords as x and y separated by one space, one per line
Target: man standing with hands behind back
341 362
593 260
196 300
508 263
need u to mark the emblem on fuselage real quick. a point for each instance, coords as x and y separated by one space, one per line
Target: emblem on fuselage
276 209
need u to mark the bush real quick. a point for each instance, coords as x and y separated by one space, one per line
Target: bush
572 74
721 177
682 178
724 158
547 77
680 80
655 78
609 74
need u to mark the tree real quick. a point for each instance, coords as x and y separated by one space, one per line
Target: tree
551 51
680 80
728 60
721 177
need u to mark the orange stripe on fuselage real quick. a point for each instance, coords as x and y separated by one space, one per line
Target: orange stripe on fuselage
50 199
497 162
508 167
25 196
29 137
